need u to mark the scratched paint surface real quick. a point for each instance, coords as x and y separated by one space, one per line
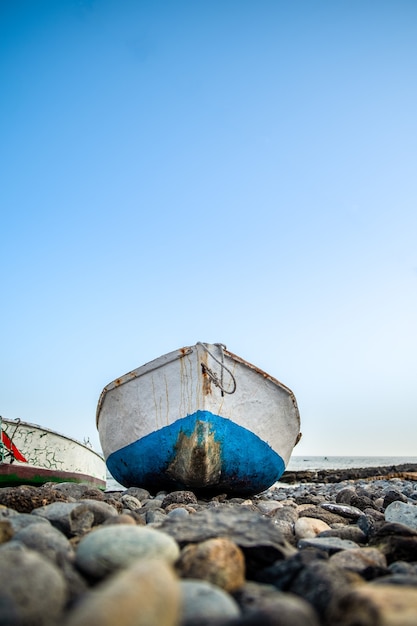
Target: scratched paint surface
46 449
246 463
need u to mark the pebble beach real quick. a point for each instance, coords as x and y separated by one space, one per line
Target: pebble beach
316 549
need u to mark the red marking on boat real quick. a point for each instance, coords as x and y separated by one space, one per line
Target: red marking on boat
12 448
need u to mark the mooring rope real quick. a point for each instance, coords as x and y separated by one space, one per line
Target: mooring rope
212 375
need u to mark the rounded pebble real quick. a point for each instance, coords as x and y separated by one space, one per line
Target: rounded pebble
45 539
178 513
145 594
402 513
203 600
359 559
218 561
31 585
110 548
307 527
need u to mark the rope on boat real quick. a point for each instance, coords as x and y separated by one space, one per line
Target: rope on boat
212 375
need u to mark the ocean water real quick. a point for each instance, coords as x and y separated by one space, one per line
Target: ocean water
300 463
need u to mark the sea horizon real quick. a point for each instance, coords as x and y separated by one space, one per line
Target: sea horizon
299 463
320 462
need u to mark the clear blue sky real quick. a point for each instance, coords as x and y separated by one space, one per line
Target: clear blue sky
228 171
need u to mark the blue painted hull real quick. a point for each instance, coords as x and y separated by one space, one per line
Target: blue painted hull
202 451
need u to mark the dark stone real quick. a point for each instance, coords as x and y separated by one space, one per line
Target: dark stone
298 477
179 497
348 511
255 534
344 496
253 595
326 516
321 584
263 604
374 572
368 525
282 573
137 492
376 515
393 528
354 473
352 533
393 496
25 498
93 494
362 502
396 541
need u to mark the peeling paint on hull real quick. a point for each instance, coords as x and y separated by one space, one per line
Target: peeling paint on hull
162 459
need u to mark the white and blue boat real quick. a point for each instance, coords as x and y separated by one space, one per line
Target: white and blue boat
198 418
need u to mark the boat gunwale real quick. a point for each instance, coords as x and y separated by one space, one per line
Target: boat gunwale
19 422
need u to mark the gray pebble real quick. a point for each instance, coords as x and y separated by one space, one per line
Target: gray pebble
137 492
46 540
203 600
402 513
152 504
155 516
351 512
178 513
22 520
110 548
329 544
31 585
130 502
58 514
74 518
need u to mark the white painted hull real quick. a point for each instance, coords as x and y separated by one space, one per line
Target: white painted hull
199 417
34 455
